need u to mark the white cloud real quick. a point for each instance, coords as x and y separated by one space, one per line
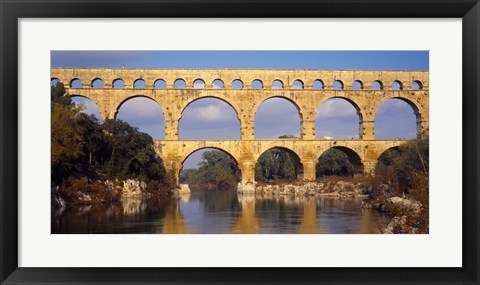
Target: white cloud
198 84
207 113
140 107
336 108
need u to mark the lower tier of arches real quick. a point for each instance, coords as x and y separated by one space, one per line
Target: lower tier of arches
364 153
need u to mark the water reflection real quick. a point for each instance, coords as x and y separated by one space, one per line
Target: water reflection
217 212
246 223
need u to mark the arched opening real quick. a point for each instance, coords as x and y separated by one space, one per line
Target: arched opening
277 84
218 84
210 168
357 85
76 83
209 118
278 163
139 84
179 84
397 118
145 113
417 85
338 118
54 81
397 85
277 117
159 84
338 85
89 107
318 84
339 161
377 85
118 83
387 157
257 84
97 83
237 84
385 167
297 84
198 84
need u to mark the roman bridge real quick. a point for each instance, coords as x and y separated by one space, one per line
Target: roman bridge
244 91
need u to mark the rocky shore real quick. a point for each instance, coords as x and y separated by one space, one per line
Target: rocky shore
325 189
404 211
108 190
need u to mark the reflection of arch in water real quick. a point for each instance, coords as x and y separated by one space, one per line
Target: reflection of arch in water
247 222
309 223
173 222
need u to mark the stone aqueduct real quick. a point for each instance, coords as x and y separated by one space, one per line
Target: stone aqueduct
245 101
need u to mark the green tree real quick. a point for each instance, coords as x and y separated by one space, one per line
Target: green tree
289 169
216 168
275 164
130 152
334 162
67 141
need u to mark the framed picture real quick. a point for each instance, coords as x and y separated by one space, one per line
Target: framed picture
246 55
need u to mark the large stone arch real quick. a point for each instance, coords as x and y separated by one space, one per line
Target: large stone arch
355 105
355 158
97 103
420 113
297 159
259 102
189 101
124 100
187 154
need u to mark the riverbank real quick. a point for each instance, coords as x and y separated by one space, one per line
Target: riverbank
83 191
407 213
321 189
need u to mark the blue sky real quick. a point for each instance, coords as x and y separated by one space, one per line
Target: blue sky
214 119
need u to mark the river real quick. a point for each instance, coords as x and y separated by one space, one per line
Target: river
220 212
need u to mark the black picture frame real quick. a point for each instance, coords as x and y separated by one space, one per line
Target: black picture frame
11 11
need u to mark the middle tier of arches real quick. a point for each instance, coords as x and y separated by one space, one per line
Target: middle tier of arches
245 103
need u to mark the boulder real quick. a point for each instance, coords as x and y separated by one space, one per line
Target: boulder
184 188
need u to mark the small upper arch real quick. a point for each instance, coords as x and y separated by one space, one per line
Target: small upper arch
159 84
75 83
237 84
118 83
298 84
179 84
198 84
318 84
338 85
417 85
357 85
397 85
139 84
257 84
277 84
377 85
218 84
98 83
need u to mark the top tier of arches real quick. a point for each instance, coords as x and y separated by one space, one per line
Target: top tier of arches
242 79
